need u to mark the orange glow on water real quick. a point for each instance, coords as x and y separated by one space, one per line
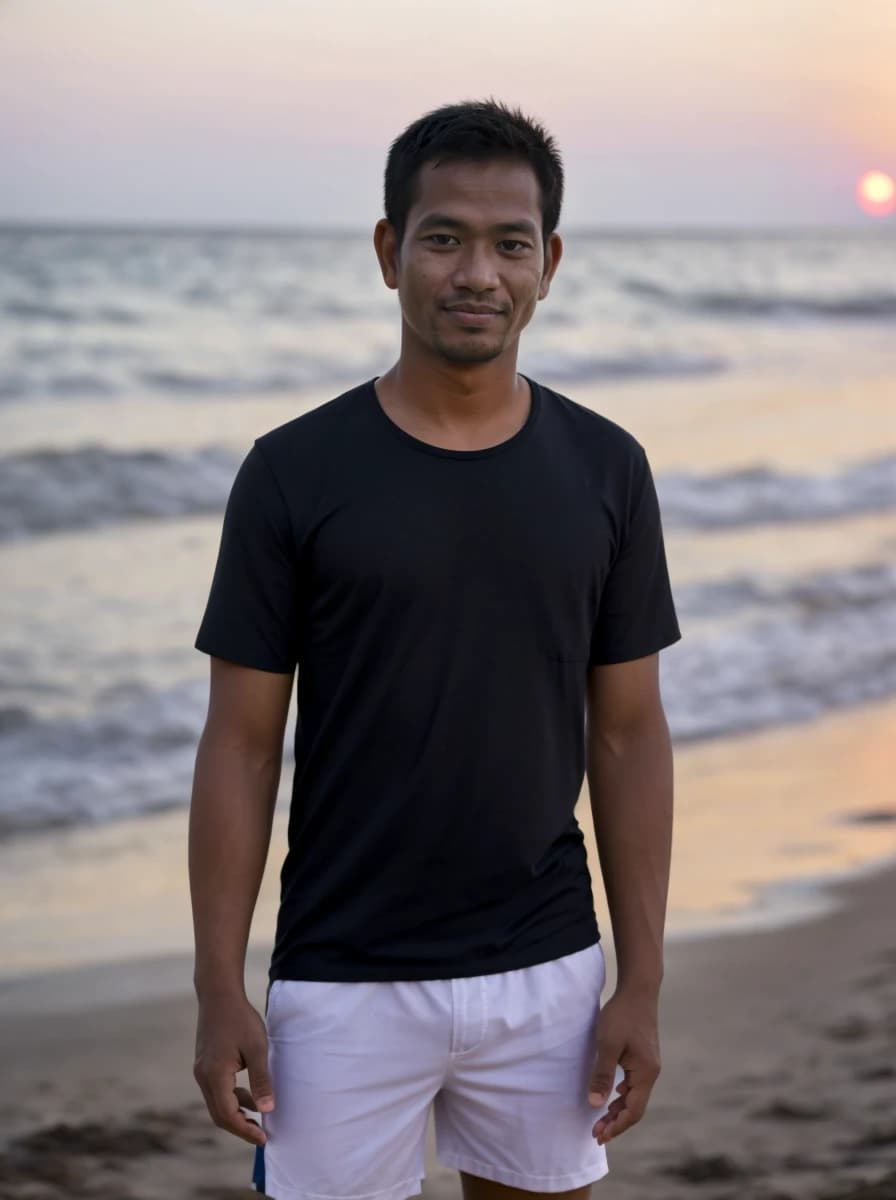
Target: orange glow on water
876 193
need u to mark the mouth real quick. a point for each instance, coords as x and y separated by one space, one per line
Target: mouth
473 314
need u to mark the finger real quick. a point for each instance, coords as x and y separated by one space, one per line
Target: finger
607 1125
244 1098
260 1084
630 1110
623 1088
624 1121
224 1108
637 1096
246 1129
247 1106
612 1113
617 1107
603 1074
205 1088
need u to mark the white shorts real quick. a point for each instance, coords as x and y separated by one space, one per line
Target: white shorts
504 1059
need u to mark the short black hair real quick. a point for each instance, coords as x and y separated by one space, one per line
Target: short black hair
478 131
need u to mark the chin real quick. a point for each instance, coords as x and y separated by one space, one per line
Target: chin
470 353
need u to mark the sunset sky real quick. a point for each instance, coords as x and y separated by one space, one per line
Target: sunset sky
668 112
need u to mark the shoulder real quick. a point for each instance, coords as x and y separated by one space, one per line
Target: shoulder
597 437
306 438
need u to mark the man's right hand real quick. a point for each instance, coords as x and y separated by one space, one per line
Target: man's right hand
230 1037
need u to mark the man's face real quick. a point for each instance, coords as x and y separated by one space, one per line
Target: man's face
472 264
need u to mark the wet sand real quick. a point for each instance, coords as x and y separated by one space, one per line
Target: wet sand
779 1074
759 818
779 1045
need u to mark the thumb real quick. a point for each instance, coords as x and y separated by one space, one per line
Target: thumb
260 1084
603 1074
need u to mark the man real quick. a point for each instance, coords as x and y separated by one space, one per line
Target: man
468 570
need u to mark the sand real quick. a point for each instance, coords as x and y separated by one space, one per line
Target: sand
779 1045
779 1074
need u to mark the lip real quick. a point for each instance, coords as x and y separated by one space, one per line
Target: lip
473 316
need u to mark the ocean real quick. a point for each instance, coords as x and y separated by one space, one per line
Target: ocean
136 367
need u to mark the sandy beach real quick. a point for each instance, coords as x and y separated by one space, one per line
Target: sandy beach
779 1044
779 1075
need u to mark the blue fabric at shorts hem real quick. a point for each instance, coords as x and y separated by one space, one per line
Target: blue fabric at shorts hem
258 1169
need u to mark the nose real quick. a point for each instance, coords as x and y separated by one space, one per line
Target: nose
476 269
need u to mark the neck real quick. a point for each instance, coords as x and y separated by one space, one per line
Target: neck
448 393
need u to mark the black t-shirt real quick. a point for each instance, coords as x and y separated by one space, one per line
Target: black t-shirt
443 608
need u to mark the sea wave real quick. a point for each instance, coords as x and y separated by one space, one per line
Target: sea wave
305 373
133 755
200 313
765 673
57 385
800 647
763 495
741 303
48 491
562 368
57 314
829 591
120 377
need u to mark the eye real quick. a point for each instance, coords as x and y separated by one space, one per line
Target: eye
512 246
441 239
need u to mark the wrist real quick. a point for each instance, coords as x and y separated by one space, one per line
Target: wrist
644 983
219 985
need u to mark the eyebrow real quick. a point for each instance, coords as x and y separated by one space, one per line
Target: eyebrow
446 222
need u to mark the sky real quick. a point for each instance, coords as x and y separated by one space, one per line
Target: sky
705 113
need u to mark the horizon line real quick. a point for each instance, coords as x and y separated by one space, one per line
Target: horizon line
302 229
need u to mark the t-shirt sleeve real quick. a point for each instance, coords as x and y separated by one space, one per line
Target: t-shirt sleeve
636 615
253 606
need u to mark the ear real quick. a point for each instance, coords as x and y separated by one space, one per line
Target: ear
553 252
386 245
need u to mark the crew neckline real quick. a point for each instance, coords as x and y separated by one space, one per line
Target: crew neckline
444 451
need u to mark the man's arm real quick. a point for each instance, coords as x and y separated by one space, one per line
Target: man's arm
629 769
237 773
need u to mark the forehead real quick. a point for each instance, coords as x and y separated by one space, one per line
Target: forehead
471 190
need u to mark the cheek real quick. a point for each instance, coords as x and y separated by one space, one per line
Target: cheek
527 285
527 293
419 285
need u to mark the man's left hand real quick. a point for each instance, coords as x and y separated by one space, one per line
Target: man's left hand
626 1037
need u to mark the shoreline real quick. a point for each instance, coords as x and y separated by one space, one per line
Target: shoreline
764 821
160 977
784 1042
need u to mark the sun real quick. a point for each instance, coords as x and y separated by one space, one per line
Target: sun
876 193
